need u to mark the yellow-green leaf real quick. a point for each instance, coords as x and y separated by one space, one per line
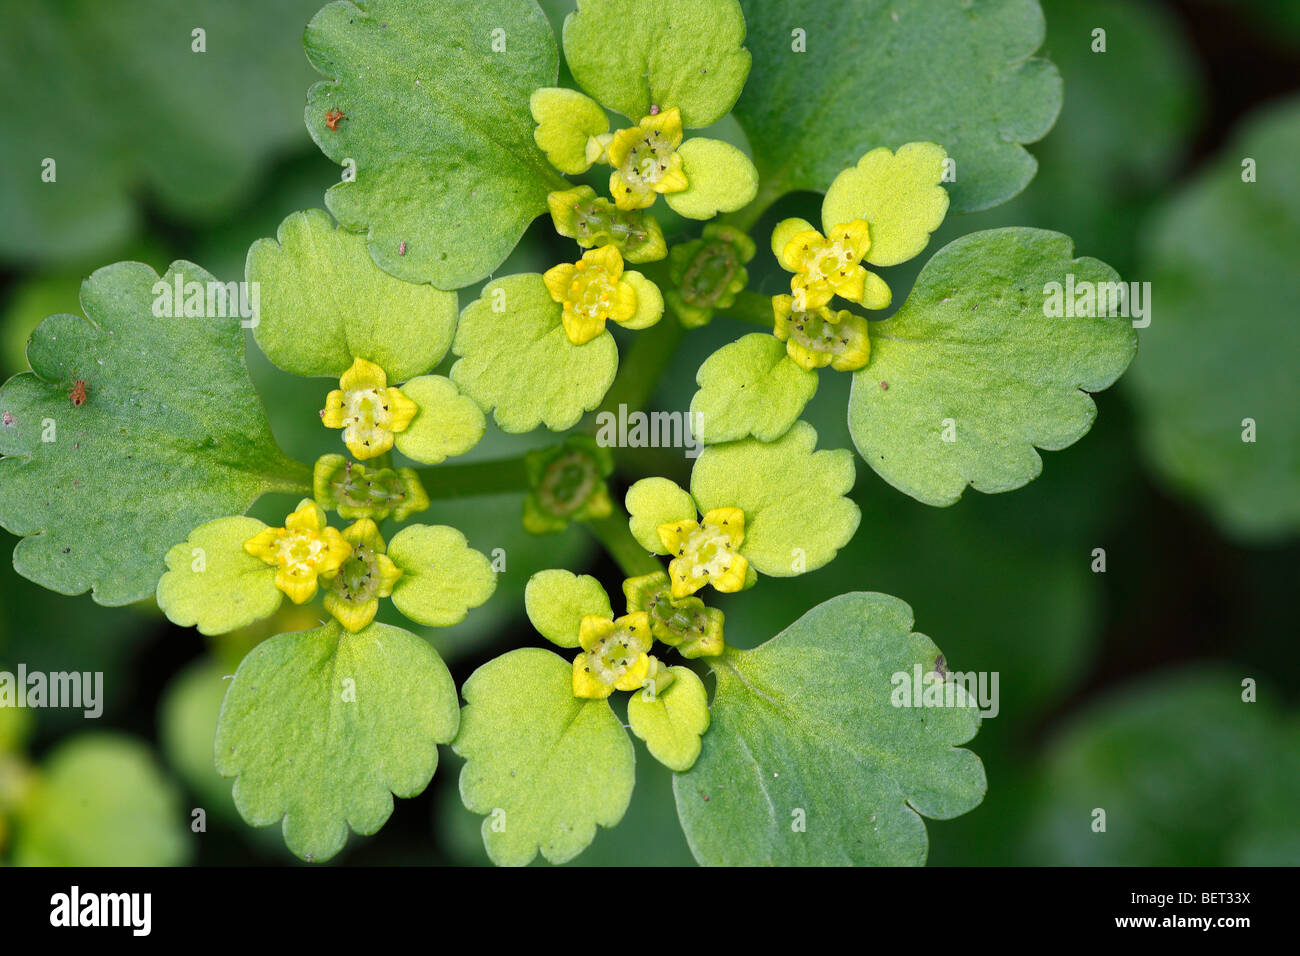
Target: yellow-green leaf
447 424
213 584
672 721
898 194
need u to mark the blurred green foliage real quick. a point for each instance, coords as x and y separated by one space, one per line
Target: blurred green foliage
1221 253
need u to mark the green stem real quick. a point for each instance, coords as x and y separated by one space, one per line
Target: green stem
294 478
552 179
751 307
616 538
501 476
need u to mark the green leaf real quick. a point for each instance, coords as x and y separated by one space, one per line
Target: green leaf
721 179
187 726
102 801
129 117
187 720
977 374
171 435
324 302
447 172
796 517
1272 837
887 74
516 358
213 584
648 834
672 721
442 576
804 731
634 54
566 120
750 387
898 194
446 425
655 501
558 600
30 300
544 766
321 728
649 301
961 568
1222 343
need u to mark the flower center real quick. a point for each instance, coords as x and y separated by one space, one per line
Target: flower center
708 550
682 622
814 333
648 160
299 552
359 577
568 483
831 257
592 293
710 273
359 493
367 414
598 221
611 657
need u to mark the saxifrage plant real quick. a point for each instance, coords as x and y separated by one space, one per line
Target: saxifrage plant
136 443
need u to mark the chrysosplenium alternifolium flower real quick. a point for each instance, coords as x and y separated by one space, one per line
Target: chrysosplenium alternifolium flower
442 185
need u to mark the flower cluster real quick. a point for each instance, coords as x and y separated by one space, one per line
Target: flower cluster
233 571
698 178
881 211
614 652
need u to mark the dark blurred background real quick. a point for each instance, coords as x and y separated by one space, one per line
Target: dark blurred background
1120 690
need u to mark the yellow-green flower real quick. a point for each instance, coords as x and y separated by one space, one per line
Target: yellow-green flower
367 409
614 655
363 578
592 291
304 550
645 160
825 267
820 337
706 552
683 623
